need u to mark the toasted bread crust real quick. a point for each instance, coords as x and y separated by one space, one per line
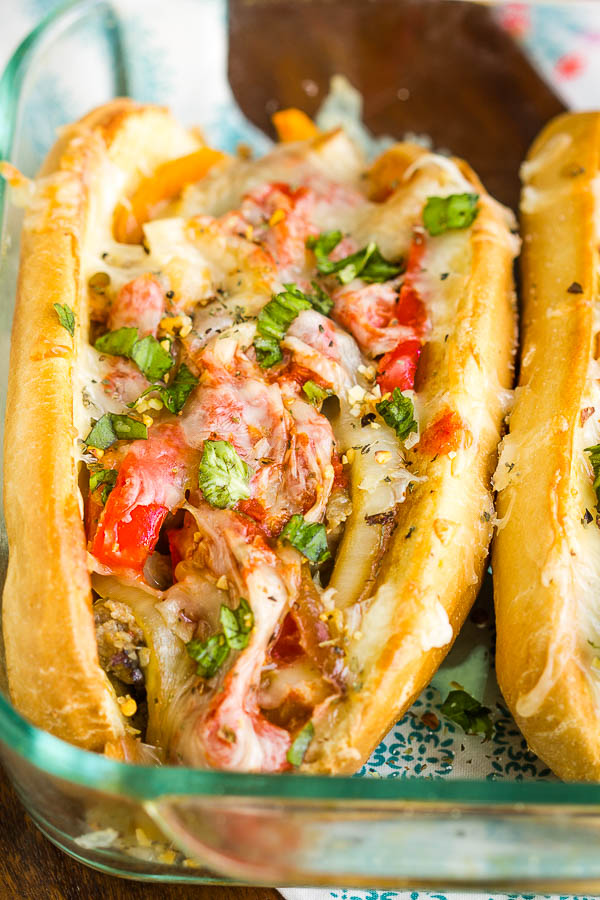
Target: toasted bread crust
539 662
52 660
439 548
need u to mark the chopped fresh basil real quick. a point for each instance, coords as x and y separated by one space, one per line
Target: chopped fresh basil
467 712
300 745
175 394
209 654
212 653
151 358
117 343
223 477
449 213
237 624
320 300
398 412
66 317
112 427
268 351
309 539
322 247
274 319
315 393
107 477
595 461
148 354
367 264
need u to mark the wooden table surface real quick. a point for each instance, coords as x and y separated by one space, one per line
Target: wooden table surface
31 868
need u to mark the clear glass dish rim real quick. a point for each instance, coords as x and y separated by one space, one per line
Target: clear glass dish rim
62 760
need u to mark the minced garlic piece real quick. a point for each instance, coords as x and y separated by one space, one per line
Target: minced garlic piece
356 394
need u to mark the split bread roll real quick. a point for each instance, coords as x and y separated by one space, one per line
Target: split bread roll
547 549
187 471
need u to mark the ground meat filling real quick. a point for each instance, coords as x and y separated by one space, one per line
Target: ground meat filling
121 645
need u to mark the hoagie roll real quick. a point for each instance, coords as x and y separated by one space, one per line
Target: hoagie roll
257 403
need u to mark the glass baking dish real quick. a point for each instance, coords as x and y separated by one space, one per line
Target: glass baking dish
442 68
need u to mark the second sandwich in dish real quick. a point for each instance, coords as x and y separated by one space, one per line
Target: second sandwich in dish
270 417
547 551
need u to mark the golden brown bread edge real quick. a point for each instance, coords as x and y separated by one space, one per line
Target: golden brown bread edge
54 674
440 546
52 660
538 663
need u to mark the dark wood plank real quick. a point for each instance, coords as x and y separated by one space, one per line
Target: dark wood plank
436 67
31 868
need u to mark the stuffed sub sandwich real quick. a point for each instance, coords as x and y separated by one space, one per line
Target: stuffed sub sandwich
546 569
253 413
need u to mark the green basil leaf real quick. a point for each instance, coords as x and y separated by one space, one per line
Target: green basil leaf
148 354
300 745
128 429
268 351
443 214
273 321
322 247
117 343
209 654
102 434
237 625
66 317
320 300
398 412
151 358
309 538
112 427
223 477
467 712
107 477
315 393
175 394
367 264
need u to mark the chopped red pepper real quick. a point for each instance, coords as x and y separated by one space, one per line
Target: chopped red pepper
397 369
131 542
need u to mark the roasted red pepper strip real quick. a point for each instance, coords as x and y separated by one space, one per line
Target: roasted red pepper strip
134 540
152 480
397 369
